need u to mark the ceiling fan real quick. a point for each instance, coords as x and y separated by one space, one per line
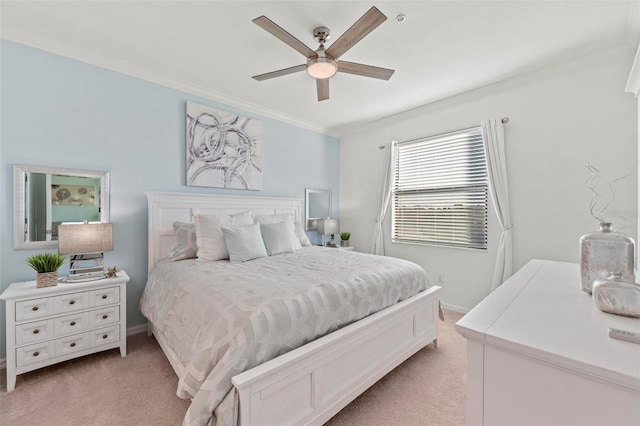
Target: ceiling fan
323 64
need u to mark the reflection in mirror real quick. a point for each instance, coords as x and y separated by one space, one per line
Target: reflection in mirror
318 206
44 197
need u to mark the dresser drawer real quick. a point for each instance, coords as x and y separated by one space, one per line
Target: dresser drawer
35 308
71 302
73 323
35 353
105 296
34 331
70 344
104 316
106 335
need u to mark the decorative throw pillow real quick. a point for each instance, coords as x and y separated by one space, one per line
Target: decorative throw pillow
185 247
209 236
277 238
244 243
301 235
266 219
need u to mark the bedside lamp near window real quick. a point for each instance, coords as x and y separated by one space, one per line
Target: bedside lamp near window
328 226
85 244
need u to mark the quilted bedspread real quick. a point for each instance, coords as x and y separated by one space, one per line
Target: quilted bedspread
224 318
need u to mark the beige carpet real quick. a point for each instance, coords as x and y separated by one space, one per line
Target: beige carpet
105 389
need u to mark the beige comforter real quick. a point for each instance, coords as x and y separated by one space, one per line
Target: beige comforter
221 318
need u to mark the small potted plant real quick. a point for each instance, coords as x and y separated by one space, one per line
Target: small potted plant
46 265
344 239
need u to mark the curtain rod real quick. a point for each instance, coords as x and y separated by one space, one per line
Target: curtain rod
503 120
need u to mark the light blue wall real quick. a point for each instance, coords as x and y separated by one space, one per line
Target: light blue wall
60 112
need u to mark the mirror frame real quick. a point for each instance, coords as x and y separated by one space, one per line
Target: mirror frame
311 223
19 174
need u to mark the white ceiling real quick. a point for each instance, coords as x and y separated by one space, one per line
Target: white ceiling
212 48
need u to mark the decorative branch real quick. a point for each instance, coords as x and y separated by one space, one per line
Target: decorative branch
592 181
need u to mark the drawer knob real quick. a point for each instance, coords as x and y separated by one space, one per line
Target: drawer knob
105 316
104 296
72 323
35 308
36 331
104 336
36 353
72 302
72 345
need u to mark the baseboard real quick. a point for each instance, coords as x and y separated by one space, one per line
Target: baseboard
136 329
454 308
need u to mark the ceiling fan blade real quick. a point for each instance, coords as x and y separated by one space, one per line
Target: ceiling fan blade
279 73
363 26
323 88
273 28
365 70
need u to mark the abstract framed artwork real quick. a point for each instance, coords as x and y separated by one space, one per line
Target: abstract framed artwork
224 150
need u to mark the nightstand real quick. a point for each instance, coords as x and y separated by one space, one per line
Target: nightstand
341 248
54 324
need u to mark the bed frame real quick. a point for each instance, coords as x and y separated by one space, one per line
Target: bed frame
310 384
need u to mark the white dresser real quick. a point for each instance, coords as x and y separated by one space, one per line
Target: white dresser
538 353
53 324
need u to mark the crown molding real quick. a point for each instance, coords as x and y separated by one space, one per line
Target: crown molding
613 53
633 84
152 76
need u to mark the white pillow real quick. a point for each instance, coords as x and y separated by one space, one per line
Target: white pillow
277 238
185 247
301 235
266 219
244 243
209 236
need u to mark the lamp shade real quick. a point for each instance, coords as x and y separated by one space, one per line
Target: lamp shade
328 226
79 238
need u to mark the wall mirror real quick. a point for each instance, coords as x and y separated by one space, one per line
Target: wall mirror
318 206
44 197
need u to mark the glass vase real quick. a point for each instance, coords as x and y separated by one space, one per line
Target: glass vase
603 253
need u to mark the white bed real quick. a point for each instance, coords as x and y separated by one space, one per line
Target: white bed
310 384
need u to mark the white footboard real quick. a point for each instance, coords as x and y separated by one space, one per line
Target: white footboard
311 384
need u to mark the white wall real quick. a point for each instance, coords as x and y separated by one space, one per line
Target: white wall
559 121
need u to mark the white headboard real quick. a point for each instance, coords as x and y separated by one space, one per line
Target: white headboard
168 207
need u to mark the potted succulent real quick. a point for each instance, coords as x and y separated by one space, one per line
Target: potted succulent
46 265
344 239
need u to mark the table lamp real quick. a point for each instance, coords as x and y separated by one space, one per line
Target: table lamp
85 243
328 226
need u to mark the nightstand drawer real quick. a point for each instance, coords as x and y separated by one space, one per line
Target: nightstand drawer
70 324
71 302
104 316
105 336
34 331
35 308
105 296
70 344
35 353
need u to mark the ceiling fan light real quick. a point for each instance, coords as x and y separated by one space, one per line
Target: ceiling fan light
322 67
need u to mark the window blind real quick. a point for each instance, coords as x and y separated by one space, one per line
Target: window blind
440 190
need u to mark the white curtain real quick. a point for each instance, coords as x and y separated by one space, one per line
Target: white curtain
387 185
493 132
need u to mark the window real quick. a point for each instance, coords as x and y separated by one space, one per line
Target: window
440 191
